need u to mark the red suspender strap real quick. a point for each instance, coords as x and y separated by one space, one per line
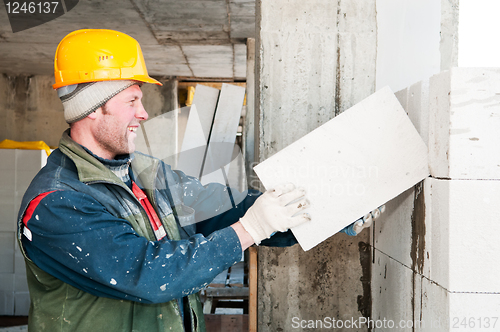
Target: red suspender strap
153 217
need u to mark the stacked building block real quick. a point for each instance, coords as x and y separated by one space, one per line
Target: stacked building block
17 169
435 249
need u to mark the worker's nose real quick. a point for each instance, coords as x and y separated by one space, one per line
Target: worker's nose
141 113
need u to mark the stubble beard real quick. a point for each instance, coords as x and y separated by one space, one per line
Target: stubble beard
112 137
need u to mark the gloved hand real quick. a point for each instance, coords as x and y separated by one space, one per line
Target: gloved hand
272 212
356 227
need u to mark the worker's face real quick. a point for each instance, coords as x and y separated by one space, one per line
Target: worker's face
118 121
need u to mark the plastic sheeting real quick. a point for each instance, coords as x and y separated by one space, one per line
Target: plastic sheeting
28 145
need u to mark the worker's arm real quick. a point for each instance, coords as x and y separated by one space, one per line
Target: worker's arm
214 209
356 227
74 238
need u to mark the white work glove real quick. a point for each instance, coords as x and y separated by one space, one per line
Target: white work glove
272 212
368 219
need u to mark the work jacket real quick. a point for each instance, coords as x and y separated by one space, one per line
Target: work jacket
93 261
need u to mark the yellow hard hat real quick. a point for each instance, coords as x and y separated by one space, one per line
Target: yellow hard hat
92 55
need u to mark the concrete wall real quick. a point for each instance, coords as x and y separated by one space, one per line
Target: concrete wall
415 40
435 257
31 111
478 23
313 60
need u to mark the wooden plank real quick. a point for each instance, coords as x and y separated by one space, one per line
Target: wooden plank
234 323
227 292
252 287
213 323
226 323
351 165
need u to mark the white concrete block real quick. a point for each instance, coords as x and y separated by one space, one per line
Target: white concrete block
402 96
30 160
418 108
474 312
7 180
351 165
7 159
465 249
19 265
195 138
6 294
431 307
223 133
439 231
21 303
393 229
7 240
415 101
392 290
8 214
464 120
20 283
158 137
406 299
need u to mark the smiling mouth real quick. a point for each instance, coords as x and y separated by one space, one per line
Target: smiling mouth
132 129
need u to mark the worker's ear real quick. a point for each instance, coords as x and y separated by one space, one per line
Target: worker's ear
93 115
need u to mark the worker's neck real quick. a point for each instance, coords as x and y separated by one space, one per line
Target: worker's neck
86 139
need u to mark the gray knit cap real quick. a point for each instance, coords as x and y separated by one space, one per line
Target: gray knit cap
79 100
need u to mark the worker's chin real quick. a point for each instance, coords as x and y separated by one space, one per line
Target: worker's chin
131 145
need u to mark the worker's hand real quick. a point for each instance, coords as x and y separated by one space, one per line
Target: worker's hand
356 227
273 211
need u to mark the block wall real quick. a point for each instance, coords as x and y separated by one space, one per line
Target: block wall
436 252
17 169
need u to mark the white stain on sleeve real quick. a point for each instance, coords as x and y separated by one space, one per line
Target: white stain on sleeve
163 287
113 281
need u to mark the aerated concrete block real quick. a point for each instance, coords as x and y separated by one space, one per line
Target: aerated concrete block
464 117
392 289
351 165
474 312
7 294
406 300
465 249
402 231
21 303
223 133
195 139
7 190
7 252
447 235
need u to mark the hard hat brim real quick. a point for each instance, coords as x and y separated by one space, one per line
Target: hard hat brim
145 79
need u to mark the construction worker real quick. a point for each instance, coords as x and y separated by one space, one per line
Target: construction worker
99 226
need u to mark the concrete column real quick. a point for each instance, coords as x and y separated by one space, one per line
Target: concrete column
314 59
30 109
